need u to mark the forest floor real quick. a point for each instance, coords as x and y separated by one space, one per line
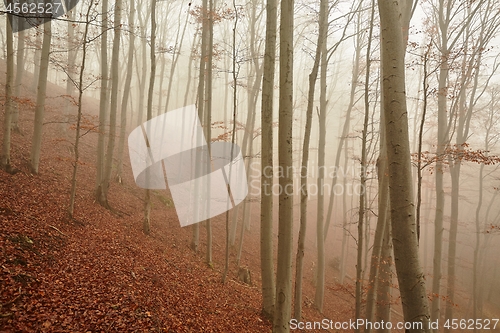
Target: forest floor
99 272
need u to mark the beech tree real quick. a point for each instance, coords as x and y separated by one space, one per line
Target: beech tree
103 105
282 309
80 88
9 107
394 16
126 92
266 204
146 225
40 98
322 34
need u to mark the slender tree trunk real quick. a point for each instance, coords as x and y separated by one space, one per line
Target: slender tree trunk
322 26
142 80
71 69
282 309
9 107
441 142
362 197
114 105
175 58
125 97
420 140
103 101
71 208
19 76
201 103
208 114
146 225
36 62
40 98
320 239
266 204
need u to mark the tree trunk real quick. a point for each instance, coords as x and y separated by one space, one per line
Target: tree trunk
114 105
322 28
19 76
201 106
266 204
36 62
71 69
208 115
103 102
146 225
409 272
9 107
320 237
40 98
175 58
125 97
282 309
79 115
362 196
383 311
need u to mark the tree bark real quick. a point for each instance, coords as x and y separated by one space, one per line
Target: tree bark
40 98
9 107
266 205
409 272
146 225
322 29
282 309
126 94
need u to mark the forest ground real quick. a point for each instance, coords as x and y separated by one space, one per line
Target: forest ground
99 272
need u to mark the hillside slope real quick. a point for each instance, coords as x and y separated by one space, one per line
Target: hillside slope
99 272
